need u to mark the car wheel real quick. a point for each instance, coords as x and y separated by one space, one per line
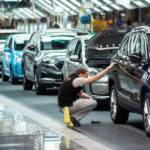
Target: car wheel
13 80
39 89
27 84
4 77
118 114
146 114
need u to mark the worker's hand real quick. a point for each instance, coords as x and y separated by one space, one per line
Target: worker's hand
111 65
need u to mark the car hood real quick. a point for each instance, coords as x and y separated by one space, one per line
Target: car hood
57 55
100 58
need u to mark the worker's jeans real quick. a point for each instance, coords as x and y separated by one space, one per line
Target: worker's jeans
81 107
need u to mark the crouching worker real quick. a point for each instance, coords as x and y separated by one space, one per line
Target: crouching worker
70 94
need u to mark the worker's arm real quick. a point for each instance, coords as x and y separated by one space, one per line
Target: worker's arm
84 95
99 75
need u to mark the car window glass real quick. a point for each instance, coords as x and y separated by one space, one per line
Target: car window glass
132 45
138 46
32 40
72 47
79 49
19 43
10 44
7 42
143 47
123 47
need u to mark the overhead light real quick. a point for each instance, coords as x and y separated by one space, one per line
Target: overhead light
107 1
128 6
148 1
43 3
106 8
69 4
76 3
97 2
44 6
39 12
115 6
97 10
60 4
139 3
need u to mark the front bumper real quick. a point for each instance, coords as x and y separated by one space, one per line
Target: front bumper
17 70
99 90
50 78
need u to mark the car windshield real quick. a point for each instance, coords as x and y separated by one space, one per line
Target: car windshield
20 42
51 43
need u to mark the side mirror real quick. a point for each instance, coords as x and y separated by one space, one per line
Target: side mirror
135 57
74 58
7 49
32 47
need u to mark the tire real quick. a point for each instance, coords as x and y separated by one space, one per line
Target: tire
118 114
4 77
27 84
13 80
146 114
39 89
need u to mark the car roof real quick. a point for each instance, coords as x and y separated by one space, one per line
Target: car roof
20 35
145 29
84 37
67 32
9 31
56 37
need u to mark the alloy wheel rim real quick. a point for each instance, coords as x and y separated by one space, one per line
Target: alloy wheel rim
113 104
147 114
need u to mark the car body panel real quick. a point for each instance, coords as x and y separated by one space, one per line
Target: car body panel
96 53
12 58
47 60
131 78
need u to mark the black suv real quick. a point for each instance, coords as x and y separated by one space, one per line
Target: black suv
129 80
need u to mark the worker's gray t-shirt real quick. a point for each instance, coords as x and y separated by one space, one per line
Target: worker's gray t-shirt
78 82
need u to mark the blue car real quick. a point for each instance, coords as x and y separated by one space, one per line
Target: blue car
12 57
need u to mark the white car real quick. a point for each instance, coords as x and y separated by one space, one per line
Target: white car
82 53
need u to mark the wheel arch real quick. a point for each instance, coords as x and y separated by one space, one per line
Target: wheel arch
110 84
144 90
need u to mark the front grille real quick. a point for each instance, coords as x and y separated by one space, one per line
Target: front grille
50 75
59 64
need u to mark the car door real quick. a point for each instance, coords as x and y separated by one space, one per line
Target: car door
135 71
132 72
7 57
68 63
29 57
75 57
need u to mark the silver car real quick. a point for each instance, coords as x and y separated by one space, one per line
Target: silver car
79 56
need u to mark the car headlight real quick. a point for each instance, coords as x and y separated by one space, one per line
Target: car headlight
92 73
48 61
18 59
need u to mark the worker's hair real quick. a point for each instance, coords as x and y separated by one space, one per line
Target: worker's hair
81 70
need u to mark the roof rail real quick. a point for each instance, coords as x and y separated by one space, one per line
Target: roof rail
141 28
